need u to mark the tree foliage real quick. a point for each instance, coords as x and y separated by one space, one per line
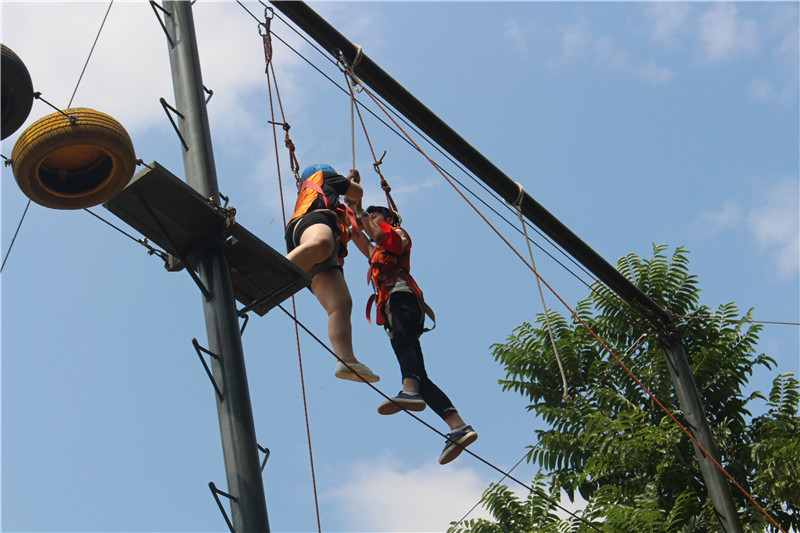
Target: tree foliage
615 447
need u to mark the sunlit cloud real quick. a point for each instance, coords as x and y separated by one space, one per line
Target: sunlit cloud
772 220
730 216
432 495
725 34
667 23
514 36
579 46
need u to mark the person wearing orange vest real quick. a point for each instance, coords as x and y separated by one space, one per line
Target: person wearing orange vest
314 242
401 309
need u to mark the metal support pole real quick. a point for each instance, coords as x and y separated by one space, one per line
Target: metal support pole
249 510
405 103
696 423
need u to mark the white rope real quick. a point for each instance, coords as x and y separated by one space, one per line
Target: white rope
352 117
518 205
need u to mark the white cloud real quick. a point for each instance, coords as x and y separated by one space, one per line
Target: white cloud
786 55
515 38
653 74
774 222
761 89
725 34
667 22
580 46
575 42
124 76
432 496
729 217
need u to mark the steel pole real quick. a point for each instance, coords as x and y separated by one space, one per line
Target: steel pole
697 424
240 450
405 103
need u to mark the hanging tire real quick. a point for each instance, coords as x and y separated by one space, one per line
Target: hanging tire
72 160
16 92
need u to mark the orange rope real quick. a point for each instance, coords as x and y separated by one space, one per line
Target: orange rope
295 168
619 361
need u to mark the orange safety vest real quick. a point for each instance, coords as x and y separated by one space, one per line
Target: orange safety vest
310 190
384 269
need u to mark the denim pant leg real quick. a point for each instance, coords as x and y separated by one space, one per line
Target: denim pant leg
406 319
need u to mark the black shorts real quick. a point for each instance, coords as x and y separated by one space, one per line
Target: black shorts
298 225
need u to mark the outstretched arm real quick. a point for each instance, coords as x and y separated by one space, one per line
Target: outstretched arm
362 243
371 227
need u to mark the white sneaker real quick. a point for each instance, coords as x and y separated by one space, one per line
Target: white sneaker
355 372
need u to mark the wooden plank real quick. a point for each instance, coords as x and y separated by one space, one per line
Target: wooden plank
259 271
176 218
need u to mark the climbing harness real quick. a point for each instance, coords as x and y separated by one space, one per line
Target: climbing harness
385 268
310 189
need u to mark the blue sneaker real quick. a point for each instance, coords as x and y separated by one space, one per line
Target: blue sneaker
404 400
456 442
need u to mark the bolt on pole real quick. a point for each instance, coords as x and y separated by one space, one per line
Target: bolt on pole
245 485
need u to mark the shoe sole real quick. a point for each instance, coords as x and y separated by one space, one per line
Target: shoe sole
352 376
454 451
390 407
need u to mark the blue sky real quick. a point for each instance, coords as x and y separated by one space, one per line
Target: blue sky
633 123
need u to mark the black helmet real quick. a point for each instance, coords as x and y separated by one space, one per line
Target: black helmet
385 212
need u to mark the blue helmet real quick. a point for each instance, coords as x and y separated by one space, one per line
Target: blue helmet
309 171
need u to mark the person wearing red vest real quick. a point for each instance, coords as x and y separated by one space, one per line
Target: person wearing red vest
401 309
314 242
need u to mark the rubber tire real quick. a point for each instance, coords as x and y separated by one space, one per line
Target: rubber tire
74 161
16 92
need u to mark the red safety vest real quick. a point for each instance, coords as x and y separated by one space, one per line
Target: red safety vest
384 269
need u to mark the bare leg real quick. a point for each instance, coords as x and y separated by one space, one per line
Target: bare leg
331 290
454 420
316 245
411 385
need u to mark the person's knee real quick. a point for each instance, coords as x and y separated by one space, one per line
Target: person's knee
344 302
320 246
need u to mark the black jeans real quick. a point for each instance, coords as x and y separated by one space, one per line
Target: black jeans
406 321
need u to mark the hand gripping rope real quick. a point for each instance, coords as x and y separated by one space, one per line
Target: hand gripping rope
355 86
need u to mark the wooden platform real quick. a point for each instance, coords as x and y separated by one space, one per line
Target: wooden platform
176 218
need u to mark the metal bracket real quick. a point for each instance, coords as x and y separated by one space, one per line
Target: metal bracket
209 92
266 456
154 5
167 108
229 213
246 318
166 235
200 349
215 491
